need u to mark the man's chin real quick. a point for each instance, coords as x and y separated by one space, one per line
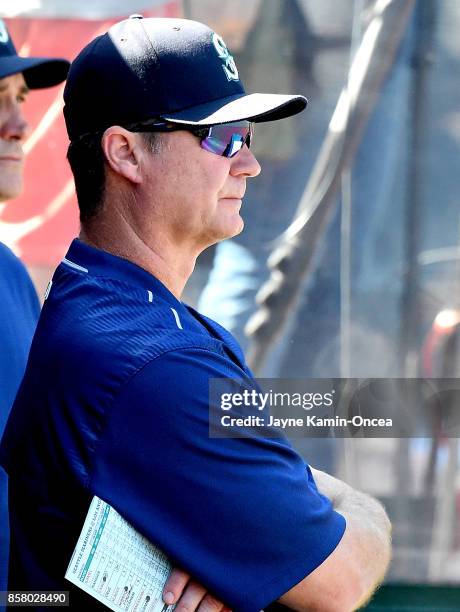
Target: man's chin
240 229
237 228
226 234
10 191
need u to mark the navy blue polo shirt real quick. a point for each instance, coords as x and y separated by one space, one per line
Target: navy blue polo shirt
19 310
115 403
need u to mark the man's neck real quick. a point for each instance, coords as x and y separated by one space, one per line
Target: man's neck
169 266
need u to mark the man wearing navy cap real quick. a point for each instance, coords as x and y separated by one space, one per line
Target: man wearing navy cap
19 307
17 76
114 402
18 299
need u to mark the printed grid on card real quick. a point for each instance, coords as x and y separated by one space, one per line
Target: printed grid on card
117 565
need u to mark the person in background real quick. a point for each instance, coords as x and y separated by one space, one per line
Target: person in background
19 305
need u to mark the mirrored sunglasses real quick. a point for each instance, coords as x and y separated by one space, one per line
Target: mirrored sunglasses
223 139
227 139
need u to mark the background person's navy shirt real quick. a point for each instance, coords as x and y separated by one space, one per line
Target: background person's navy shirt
19 310
115 403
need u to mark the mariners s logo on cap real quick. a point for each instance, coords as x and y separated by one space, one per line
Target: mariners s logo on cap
4 37
164 68
228 65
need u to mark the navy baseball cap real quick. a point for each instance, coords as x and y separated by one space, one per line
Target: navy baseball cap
176 70
38 71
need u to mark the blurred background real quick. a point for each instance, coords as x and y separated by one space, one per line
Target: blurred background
349 265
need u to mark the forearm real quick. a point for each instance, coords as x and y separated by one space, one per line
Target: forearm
367 519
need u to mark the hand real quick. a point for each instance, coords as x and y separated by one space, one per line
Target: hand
189 595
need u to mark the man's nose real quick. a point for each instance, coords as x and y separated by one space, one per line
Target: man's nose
245 162
13 126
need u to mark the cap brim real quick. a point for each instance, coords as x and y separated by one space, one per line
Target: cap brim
38 71
256 107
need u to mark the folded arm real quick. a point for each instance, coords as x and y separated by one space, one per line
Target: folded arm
350 575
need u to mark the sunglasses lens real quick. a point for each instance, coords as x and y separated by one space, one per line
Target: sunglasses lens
228 139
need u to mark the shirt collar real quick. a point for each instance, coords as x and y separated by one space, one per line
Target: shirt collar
102 264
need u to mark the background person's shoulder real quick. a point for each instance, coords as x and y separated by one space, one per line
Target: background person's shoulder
8 259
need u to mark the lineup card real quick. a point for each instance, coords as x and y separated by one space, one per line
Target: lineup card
117 565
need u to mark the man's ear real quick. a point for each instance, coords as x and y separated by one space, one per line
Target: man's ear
123 152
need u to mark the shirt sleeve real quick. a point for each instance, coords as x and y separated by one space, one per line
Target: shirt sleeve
243 515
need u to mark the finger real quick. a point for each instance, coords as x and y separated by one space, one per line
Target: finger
211 604
175 585
191 598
